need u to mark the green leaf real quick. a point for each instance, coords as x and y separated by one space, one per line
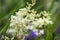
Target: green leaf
5 28
52 4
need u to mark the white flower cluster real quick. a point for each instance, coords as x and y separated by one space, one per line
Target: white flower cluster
26 19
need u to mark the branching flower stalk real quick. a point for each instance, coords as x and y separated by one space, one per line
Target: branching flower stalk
31 5
28 19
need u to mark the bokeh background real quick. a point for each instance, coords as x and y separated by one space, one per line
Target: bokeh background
9 7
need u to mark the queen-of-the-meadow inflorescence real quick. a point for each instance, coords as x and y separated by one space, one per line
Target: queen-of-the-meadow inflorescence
28 21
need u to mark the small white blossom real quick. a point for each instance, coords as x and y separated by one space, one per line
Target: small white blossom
47 21
11 31
41 31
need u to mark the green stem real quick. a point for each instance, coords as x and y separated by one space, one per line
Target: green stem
50 32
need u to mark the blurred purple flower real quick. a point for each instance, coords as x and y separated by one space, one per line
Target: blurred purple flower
58 30
31 35
27 38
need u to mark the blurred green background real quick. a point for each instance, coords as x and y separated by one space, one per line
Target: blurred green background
9 7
